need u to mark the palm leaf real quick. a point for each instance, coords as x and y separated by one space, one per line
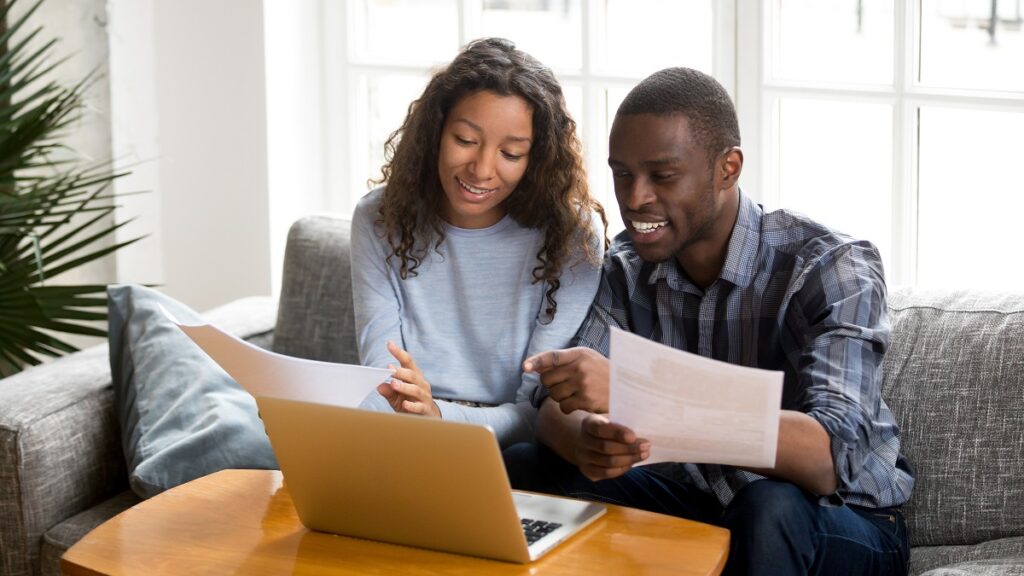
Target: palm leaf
54 211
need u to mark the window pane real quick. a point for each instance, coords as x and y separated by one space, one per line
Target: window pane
977 44
836 41
613 96
550 30
381 106
405 31
969 199
835 165
644 36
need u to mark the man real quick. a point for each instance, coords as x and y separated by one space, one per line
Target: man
702 268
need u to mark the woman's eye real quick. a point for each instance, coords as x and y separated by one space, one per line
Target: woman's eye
513 157
463 141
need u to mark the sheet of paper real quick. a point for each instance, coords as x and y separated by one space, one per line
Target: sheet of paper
693 409
265 373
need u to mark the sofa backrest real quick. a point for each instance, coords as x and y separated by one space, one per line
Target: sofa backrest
954 378
315 318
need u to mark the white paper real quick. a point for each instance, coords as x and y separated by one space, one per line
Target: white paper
265 373
694 409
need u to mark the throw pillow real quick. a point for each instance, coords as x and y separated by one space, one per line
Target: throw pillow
181 415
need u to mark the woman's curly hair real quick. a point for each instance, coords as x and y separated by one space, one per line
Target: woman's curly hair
553 194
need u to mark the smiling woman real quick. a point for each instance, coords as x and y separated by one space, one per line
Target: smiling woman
485 215
484 154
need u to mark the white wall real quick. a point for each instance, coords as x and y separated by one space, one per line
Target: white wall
189 114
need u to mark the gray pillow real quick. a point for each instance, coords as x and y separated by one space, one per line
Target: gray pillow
181 415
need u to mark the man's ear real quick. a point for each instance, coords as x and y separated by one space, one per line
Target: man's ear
730 165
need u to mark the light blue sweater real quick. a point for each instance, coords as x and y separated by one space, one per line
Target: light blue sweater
468 318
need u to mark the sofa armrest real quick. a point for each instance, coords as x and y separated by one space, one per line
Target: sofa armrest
59 450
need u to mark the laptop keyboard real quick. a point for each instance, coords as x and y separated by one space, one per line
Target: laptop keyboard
537 529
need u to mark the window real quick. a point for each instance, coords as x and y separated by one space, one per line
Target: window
597 49
898 122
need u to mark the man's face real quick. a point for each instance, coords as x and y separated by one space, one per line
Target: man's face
664 184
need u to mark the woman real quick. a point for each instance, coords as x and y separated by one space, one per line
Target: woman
484 246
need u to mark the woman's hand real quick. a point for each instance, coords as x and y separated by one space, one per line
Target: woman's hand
408 391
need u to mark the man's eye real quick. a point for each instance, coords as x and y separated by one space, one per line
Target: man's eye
663 175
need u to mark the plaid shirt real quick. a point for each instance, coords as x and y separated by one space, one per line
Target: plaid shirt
792 296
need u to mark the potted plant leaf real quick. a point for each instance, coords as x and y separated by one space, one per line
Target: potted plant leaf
55 210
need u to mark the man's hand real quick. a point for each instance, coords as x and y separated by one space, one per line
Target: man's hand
608 450
576 378
408 391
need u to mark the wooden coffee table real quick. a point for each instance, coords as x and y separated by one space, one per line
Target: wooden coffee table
243 522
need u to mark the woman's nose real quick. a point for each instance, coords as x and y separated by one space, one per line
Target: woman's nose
483 165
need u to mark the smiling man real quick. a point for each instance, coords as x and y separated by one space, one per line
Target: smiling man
703 268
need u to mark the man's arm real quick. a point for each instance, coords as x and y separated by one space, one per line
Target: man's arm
577 381
837 338
803 455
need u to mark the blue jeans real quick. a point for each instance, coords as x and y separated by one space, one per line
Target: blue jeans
776 528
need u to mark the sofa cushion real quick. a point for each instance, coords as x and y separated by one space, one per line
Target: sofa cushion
181 415
58 539
954 377
1004 556
315 318
997 567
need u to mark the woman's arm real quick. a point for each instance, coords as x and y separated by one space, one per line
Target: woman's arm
375 298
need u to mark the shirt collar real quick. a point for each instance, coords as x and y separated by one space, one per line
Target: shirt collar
740 260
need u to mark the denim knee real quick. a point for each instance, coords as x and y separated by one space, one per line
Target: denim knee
765 505
771 524
522 464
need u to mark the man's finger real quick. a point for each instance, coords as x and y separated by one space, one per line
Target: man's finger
578 401
557 374
562 391
600 427
611 447
545 361
609 460
596 473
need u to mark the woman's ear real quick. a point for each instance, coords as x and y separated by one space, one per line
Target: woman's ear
730 165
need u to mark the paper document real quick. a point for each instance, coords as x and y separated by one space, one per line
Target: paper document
693 409
264 373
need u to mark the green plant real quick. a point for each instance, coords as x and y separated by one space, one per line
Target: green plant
54 210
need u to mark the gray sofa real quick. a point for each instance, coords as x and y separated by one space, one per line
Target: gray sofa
954 376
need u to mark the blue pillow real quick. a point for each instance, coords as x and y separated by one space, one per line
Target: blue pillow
181 415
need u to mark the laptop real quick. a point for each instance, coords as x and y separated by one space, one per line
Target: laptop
412 480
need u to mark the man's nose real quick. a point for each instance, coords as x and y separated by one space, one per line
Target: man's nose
635 194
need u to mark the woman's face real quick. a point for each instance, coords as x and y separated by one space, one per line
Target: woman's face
485 147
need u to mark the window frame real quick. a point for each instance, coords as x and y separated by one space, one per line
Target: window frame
757 105
343 68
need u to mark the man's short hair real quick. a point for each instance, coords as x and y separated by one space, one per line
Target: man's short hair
699 97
